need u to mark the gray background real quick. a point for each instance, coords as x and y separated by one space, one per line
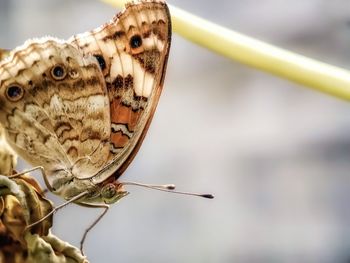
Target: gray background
275 154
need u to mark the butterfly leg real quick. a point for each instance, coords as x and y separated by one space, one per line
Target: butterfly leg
32 170
105 207
28 171
75 198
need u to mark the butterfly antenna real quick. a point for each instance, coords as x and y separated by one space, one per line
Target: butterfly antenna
170 188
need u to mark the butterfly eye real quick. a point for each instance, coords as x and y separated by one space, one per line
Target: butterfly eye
108 191
135 41
58 72
101 61
14 92
111 193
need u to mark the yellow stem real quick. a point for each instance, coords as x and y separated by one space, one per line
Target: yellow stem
297 68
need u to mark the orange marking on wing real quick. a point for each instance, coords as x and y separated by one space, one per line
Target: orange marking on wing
119 139
124 114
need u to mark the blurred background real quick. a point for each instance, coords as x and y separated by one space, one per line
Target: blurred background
276 155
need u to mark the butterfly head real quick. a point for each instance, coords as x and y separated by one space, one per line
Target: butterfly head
112 192
107 192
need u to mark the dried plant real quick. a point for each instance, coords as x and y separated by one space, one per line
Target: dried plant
22 202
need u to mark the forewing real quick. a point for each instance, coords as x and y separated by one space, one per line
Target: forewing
3 53
132 51
54 107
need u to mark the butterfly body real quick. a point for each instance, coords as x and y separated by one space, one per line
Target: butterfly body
80 108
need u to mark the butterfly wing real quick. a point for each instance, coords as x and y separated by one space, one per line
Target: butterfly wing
3 53
132 51
55 109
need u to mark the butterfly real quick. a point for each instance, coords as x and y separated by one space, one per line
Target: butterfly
81 108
